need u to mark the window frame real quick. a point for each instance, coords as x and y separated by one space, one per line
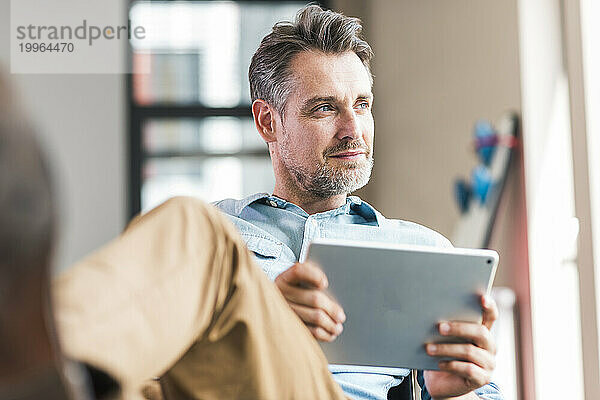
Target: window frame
138 114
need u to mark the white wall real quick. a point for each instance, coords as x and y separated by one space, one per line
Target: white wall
81 122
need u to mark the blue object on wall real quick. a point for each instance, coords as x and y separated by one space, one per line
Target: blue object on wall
481 180
486 141
462 194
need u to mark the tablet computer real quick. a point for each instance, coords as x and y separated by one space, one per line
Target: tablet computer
394 296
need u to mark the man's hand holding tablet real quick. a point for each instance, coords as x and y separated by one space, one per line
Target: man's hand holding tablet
456 377
303 285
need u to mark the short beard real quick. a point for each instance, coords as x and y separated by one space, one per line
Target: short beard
327 180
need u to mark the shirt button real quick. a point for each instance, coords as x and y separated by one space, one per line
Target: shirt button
272 203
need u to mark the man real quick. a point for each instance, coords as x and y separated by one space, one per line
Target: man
310 83
178 295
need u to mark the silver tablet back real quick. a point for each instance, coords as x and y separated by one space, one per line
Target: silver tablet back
394 296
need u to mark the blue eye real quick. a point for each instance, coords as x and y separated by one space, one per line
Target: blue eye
324 107
364 105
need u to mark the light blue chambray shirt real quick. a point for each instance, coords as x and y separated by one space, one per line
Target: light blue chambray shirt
279 232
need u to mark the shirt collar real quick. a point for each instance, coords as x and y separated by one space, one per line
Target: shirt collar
353 203
364 209
245 202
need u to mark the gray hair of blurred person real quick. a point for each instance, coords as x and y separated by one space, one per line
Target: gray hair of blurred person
313 29
26 207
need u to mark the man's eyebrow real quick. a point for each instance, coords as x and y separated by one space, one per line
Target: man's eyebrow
365 96
317 99
331 99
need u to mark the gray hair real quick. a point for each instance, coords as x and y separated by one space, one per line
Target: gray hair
313 29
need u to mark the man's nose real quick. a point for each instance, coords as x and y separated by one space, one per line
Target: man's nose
349 128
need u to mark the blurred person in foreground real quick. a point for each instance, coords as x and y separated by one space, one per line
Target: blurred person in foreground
31 366
27 361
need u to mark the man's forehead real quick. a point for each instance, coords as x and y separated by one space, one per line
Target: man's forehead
330 75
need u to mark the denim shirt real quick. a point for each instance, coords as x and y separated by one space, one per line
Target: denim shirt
279 233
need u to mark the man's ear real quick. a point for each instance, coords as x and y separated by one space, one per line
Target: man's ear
264 119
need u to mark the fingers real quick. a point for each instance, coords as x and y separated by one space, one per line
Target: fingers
474 374
477 334
465 352
303 286
490 311
314 299
321 334
305 274
317 318
475 359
